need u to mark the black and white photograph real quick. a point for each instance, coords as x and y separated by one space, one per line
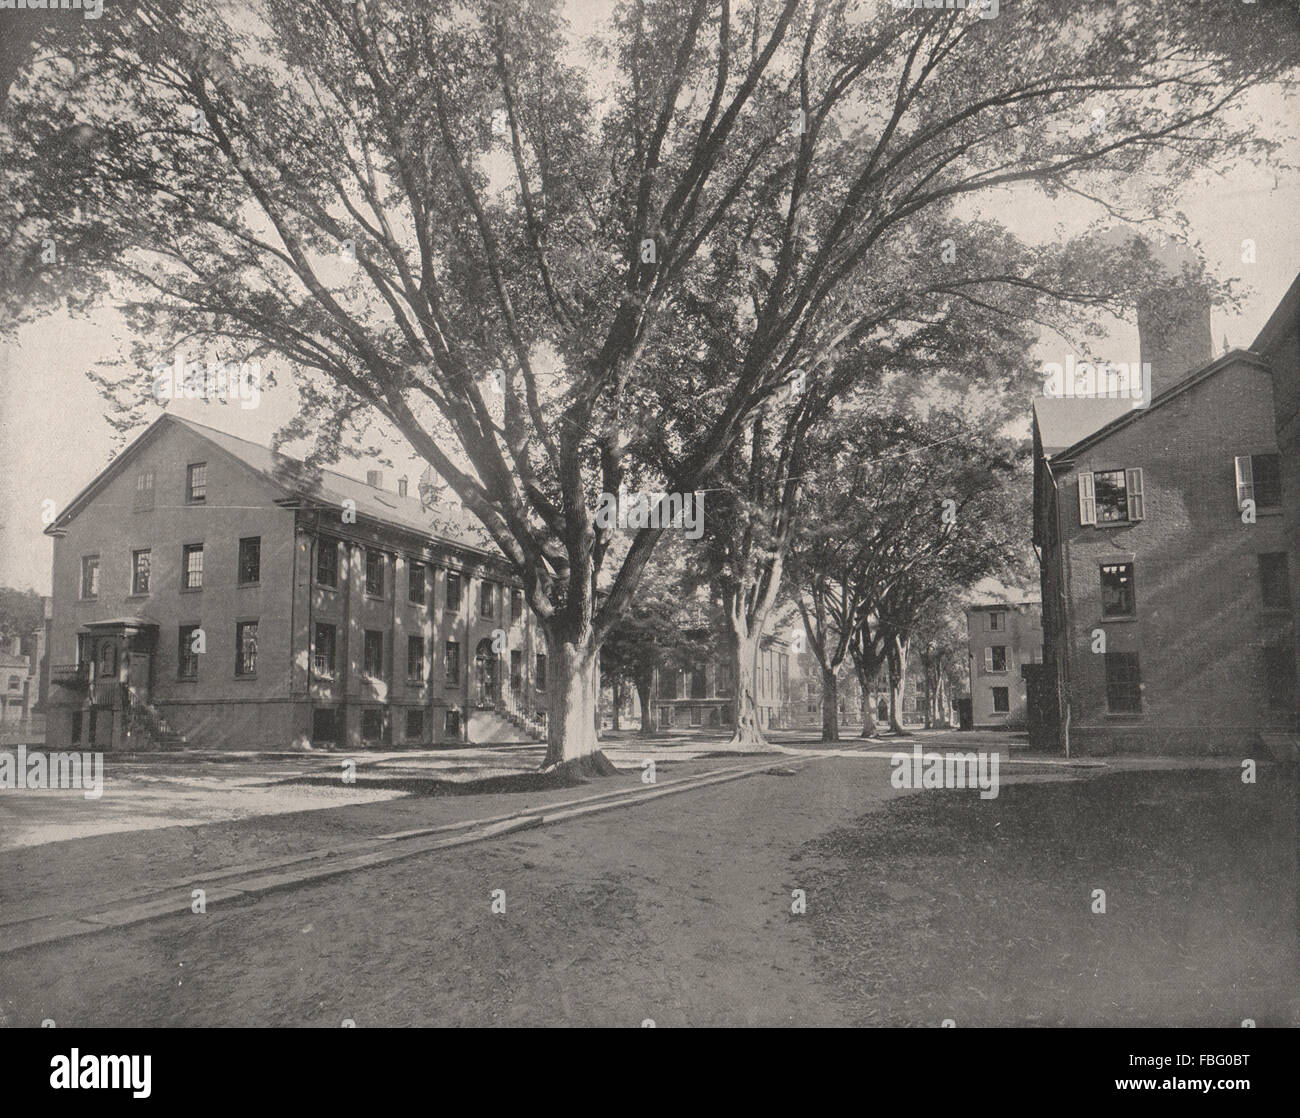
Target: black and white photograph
650 514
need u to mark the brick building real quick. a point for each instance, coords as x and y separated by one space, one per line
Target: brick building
208 589
1167 538
705 695
1003 638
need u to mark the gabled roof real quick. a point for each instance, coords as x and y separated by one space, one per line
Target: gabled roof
326 487
1090 413
1064 422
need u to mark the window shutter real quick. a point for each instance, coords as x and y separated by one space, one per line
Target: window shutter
1087 500
1133 483
1245 480
988 655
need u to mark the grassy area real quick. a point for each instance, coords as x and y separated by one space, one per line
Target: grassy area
980 911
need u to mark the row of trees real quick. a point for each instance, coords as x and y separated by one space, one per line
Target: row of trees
657 257
899 516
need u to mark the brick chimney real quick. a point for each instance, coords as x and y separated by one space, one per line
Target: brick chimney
401 486
1174 333
375 479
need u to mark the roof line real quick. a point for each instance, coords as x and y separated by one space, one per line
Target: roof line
1217 365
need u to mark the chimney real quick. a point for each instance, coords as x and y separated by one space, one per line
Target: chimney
375 479
401 487
1174 333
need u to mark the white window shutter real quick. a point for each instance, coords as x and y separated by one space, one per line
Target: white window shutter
1087 500
988 658
1245 480
1133 483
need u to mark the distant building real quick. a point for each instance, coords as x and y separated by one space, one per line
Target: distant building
1003 637
704 695
207 589
1167 538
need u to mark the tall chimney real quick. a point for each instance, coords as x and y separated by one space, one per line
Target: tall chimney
1174 333
401 487
375 479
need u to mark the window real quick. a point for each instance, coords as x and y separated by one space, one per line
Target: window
698 684
451 661
1123 683
1001 700
723 681
246 648
486 599
997 621
327 562
1111 497
668 683
697 716
323 649
140 571
453 592
1117 590
325 724
415 583
1259 478
187 654
13 683
196 483
143 498
414 725
995 658
415 659
374 573
250 560
372 654
90 576
372 724
192 566
516 605
516 670
1273 579
1279 677
541 672
451 725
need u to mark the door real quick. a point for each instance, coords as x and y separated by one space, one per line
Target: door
137 673
485 663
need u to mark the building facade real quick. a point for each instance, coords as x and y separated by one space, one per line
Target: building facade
704 696
1002 639
1167 542
208 590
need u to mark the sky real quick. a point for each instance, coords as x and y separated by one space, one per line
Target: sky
54 438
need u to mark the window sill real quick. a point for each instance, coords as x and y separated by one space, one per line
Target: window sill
1119 619
245 678
375 597
1113 524
325 586
187 679
191 589
1125 715
248 585
137 597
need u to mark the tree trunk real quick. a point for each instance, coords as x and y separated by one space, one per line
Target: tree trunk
748 734
868 715
929 700
571 744
897 683
830 706
644 686
617 688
